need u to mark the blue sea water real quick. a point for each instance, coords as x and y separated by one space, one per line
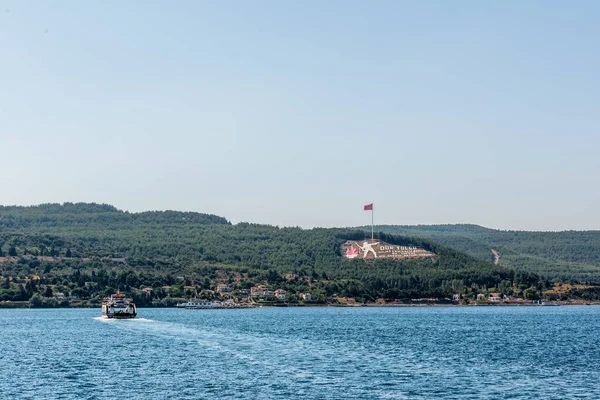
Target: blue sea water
303 353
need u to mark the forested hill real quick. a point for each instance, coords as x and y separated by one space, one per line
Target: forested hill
565 255
100 216
70 245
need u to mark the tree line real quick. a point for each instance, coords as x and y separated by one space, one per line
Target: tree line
67 246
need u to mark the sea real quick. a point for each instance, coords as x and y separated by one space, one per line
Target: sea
303 353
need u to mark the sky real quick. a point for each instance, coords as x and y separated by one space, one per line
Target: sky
297 113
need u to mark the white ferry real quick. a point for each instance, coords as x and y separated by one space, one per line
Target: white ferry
198 304
118 306
205 304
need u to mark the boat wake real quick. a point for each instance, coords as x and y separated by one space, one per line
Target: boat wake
242 347
142 320
129 320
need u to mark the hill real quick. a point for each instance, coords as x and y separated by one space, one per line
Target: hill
90 250
568 255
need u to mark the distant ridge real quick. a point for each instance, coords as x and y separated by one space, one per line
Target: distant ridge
58 208
69 243
566 255
52 214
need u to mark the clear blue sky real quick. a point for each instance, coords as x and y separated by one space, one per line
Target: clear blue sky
299 113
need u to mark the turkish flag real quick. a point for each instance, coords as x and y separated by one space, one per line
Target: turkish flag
369 207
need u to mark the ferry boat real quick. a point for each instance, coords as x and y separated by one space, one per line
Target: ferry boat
205 304
198 304
118 306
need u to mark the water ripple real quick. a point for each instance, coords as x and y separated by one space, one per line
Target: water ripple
327 353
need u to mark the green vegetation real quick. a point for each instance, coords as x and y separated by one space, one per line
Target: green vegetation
567 256
87 251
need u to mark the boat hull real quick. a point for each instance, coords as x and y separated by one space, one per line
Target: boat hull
119 316
130 316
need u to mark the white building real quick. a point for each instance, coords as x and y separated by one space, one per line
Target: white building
222 288
280 294
257 291
260 291
495 297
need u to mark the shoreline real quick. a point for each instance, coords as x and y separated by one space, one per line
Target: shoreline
24 305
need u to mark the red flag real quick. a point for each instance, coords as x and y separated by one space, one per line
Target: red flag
369 207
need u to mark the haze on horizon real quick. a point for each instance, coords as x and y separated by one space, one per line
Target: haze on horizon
300 113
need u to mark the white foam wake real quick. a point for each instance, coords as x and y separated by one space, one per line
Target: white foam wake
213 340
141 320
103 319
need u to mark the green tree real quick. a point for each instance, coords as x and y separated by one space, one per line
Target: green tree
48 292
12 251
22 296
35 301
531 294
29 288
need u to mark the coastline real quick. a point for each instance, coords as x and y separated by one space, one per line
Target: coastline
26 305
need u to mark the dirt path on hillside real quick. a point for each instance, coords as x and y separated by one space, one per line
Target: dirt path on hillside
496 256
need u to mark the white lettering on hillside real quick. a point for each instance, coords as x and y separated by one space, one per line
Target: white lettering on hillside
372 249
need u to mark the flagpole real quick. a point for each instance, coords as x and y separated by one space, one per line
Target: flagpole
372 207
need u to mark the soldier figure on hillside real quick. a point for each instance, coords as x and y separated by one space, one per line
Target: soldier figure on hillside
368 247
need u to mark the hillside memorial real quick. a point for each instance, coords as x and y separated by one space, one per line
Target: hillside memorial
370 249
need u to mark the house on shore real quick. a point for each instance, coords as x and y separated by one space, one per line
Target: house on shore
257 291
223 288
262 291
495 297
